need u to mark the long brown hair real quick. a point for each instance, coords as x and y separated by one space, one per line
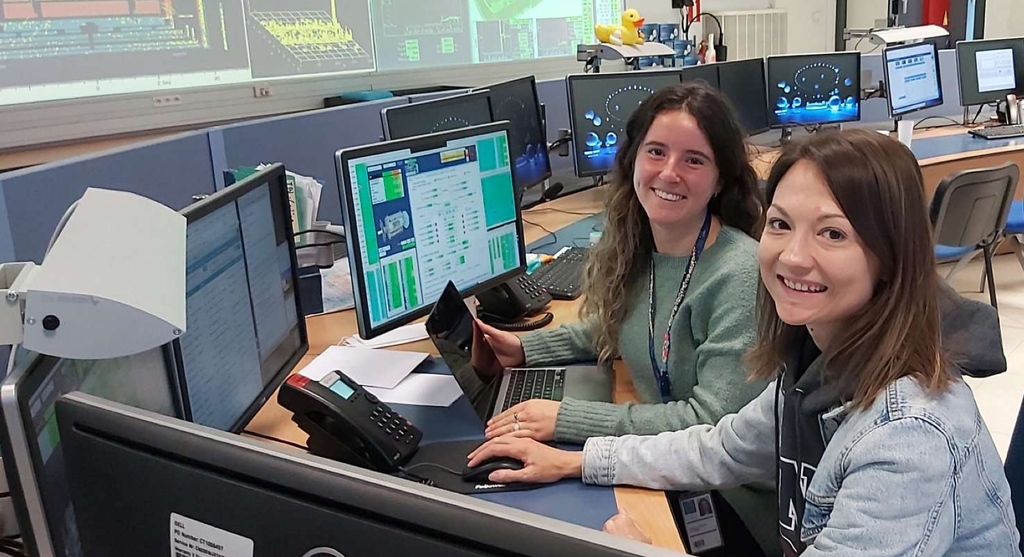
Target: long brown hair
626 244
877 183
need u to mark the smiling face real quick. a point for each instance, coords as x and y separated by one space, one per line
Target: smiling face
675 174
816 268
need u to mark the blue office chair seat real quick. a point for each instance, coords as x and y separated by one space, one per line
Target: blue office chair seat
1015 220
947 253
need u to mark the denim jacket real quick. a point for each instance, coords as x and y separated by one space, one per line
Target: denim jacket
913 474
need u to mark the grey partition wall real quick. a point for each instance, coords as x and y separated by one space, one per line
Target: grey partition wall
304 143
169 171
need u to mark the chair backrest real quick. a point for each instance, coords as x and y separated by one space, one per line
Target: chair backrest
970 207
1014 468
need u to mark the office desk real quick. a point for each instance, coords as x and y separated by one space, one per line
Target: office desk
649 508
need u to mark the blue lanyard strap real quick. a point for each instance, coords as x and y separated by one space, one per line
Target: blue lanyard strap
661 368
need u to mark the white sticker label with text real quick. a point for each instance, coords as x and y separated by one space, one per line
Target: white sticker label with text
191 538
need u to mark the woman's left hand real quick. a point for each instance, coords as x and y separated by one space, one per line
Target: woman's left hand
622 525
535 417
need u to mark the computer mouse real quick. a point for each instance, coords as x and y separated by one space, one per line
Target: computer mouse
479 473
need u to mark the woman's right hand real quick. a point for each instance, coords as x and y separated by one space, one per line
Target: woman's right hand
541 463
505 345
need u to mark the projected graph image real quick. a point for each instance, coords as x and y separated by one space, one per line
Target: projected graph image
313 37
46 28
558 36
78 46
411 33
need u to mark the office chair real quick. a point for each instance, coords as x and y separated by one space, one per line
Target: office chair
969 213
1015 229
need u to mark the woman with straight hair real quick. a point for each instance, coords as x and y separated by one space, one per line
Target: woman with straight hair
874 440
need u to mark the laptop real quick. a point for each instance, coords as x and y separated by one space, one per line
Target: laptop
492 388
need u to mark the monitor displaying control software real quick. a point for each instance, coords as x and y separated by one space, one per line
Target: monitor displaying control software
438 115
811 89
989 70
422 211
245 325
34 460
912 77
600 106
516 101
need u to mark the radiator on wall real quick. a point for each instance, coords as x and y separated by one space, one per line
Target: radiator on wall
754 33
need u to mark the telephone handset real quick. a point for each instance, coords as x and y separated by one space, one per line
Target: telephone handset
345 422
513 300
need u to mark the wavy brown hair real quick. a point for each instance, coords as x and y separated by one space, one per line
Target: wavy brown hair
877 183
624 251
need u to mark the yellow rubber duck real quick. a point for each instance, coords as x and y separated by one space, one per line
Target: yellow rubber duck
628 33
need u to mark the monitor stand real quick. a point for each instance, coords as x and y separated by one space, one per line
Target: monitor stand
786 136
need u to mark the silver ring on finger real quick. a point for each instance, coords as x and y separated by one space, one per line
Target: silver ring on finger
516 426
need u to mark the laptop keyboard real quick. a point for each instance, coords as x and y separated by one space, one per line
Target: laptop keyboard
527 384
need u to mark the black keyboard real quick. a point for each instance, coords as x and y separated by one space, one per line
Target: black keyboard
528 384
999 132
563 276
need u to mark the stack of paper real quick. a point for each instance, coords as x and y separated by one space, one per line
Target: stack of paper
401 335
387 374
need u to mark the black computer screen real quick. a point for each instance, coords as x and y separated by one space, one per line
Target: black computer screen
599 107
989 70
516 101
143 485
808 89
708 73
245 325
743 82
444 114
145 380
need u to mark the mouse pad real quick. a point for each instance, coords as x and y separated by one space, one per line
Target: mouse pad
431 461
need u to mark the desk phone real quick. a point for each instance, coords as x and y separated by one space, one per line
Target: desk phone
345 422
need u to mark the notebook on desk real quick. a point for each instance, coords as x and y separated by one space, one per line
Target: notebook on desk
491 387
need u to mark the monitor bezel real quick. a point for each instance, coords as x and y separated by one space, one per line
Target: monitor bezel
540 118
773 118
22 463
888 80
989 96
275 175
457 99
584 77
703 67
353 233
764 79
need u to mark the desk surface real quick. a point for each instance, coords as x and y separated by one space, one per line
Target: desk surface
649 508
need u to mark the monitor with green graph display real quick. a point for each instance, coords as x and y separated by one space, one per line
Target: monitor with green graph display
422 211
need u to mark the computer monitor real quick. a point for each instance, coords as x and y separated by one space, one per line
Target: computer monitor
912 77
743 82
516 101
708 73
810 89
424 210
989 70
599 106
245 324
147 485
34 460
438 115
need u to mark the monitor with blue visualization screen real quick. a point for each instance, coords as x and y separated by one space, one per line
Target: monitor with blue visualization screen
912 78
245 325
599 108
422 211
809 89
516 101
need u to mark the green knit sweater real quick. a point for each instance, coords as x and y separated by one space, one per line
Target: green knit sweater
714 328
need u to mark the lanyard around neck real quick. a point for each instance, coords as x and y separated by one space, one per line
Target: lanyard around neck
661 368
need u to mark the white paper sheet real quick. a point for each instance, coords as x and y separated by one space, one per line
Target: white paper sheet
401 335
421 389
366 366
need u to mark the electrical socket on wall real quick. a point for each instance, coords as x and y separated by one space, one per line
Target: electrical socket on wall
261 91
162 101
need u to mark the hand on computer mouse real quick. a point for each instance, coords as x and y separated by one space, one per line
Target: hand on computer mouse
541 463
623 525
506 346
535 417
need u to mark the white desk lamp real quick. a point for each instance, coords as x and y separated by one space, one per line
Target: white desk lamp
112 283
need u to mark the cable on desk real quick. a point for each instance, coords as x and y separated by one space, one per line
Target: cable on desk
538 209
407 469
276 440
554 236
314 231
953 122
